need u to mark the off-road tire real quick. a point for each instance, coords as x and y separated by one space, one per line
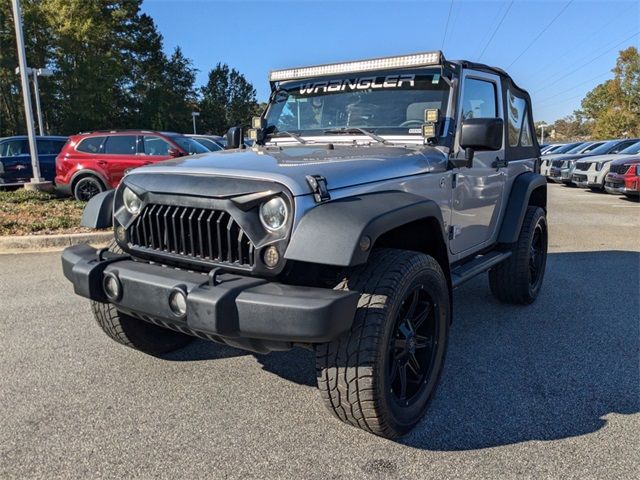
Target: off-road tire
510 281
352 371
135 333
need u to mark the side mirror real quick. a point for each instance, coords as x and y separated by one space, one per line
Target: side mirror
174 152
480 134
235 138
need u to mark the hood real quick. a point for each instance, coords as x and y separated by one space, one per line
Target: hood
343 166
626 159
603 158
568 156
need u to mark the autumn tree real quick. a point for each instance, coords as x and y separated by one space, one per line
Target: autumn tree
614 106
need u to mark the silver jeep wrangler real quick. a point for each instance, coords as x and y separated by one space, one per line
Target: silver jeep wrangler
373 190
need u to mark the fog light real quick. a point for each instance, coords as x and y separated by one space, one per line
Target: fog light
271 256
178 302
111 286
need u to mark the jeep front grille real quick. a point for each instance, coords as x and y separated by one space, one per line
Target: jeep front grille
619 169
190 232
558 163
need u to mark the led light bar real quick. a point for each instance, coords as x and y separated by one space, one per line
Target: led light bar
384 63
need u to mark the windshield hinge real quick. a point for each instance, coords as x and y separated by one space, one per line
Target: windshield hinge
318 186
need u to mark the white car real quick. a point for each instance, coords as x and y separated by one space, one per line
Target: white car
545 164
590 172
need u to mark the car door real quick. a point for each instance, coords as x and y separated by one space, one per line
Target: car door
477 191
120 154
16 161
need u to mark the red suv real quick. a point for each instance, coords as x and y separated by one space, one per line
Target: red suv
624 177
91 163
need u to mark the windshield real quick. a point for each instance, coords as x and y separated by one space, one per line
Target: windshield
189 145
574 148
567 147
632 150
208 144
606 147
389 103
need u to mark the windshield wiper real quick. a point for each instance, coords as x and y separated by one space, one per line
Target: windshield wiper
295 136
352 130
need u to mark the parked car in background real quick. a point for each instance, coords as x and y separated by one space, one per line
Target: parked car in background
550 148
591 171
624 177
213 143
545 165
15 158
93 162
562 166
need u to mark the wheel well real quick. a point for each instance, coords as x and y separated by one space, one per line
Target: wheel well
82 175
424 235
538 197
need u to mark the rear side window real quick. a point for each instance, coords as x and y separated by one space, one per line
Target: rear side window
519 126
479 99
90 144
50 147
14 148
155 145
121 145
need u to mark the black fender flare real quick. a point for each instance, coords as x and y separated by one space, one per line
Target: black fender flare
330 233
523 187
98 213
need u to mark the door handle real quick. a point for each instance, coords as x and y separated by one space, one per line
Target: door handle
499 163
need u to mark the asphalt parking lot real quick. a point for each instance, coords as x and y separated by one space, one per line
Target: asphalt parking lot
550 390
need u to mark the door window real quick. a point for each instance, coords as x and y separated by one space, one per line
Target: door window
14 148
479 99
519 126
155 145
49 147
121 145
91 145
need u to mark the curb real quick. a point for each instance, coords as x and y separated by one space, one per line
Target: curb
43 243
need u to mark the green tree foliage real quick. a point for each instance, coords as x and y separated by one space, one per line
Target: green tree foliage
110 71
570 128
614 106
228 99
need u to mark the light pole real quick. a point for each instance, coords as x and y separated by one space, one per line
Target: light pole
35 73
193 117
36 180
542 127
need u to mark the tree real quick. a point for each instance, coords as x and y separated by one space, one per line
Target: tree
177 94
572 127
228 99
614 106
110 70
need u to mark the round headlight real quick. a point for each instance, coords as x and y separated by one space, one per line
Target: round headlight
131 201
273 214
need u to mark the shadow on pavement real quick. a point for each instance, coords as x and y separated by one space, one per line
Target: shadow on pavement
551 370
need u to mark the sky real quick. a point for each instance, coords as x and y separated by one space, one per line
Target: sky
558 50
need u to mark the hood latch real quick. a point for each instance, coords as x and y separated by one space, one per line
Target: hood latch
318 186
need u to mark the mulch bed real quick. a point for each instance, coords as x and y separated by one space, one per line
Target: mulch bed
25 212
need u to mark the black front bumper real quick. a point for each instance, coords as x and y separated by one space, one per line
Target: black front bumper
268 315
